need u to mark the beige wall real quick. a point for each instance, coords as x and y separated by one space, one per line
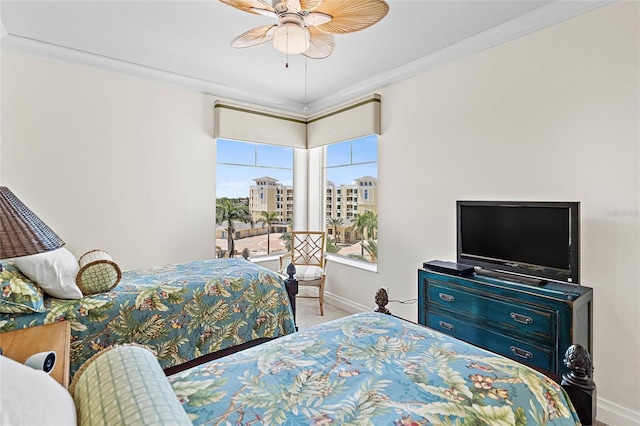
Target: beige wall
551 116
127 165
110 161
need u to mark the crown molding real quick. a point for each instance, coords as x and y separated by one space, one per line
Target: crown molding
531 22
65 54
551 14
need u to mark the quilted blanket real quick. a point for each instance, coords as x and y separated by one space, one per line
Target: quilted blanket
180 311
370 369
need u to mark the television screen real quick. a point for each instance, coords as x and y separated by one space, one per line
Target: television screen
538 239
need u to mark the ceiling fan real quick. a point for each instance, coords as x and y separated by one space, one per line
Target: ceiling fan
307 26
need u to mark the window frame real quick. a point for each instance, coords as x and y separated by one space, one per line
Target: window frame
341 191
256 164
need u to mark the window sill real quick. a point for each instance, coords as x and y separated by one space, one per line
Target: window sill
265 258
359 264
367 266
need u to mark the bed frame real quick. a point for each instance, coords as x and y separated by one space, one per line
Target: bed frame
577 382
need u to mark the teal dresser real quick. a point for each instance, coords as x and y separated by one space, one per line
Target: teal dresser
531 324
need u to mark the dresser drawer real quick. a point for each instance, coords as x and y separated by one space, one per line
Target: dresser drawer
510 317
536 355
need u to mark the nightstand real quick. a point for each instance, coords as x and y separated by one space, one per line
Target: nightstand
21 344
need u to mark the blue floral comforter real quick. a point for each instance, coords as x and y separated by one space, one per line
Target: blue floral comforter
370 369
180 311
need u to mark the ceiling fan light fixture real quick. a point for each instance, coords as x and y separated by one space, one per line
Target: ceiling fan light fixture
291 38
307 26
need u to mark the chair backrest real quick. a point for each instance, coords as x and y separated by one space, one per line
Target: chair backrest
307 248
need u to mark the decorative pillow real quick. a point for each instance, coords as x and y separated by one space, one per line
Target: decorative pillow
32 397
125 385
18 294
98 273
54 271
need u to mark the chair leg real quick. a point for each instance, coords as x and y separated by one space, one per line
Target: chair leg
321 295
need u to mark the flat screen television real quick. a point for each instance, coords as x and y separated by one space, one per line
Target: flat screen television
534 239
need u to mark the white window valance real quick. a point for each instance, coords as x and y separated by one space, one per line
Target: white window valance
251 125
358 119
354 120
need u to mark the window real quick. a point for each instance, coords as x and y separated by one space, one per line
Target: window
250 180
352 216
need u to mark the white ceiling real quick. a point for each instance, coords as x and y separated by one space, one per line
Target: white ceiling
187 43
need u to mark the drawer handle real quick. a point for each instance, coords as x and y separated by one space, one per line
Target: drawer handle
521 352
447 297
446 325
523 319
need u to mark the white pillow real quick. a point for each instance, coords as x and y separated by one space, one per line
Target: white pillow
32 397
54 271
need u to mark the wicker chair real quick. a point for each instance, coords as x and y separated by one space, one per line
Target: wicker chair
307 255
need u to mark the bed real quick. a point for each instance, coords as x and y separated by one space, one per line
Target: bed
367 368
181 311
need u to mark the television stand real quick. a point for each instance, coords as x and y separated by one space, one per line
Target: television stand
511 277
531 324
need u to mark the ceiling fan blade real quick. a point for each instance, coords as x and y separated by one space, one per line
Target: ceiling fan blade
293 6
316 18
353 15
310 4
250 5
320 44
263 12
254 37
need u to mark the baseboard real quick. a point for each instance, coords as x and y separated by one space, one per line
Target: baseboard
345 304
613 414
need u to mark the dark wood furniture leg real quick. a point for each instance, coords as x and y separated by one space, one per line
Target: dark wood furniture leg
292 289
578 383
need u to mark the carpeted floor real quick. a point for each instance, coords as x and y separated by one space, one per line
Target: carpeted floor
308 313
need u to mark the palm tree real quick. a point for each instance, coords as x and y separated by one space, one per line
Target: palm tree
336 223
228 211
360 225
365 223
372 250
268 218
372 224
331 247
286 235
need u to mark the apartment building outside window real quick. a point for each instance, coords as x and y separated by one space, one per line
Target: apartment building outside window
254 197
351 211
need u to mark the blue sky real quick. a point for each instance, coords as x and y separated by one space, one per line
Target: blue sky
246 161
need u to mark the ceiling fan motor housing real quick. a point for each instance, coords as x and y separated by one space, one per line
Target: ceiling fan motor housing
280 6
291 36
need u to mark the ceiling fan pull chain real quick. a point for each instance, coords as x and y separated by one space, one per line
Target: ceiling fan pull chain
287 61
305 85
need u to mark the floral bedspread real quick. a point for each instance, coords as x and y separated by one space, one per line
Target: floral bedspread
180 311
370 369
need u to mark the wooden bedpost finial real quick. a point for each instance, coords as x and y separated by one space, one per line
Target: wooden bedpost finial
292 288
578 360
291 270
382 299
245 253
578 383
